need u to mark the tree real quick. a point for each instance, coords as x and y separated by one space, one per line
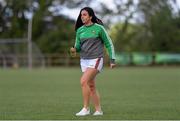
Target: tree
161 30
157 30
12 19
48 30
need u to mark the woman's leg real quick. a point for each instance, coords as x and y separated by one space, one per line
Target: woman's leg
95 95
87 77
85 91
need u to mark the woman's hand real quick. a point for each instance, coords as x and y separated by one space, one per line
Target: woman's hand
73 51
112 65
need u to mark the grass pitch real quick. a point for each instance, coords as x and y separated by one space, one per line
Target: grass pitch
142 93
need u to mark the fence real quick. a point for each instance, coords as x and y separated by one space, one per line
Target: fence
140 58
122 59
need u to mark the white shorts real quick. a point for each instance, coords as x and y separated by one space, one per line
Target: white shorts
91 63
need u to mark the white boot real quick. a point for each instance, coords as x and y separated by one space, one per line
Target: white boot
98 113
83 112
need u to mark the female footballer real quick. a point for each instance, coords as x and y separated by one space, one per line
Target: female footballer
90 40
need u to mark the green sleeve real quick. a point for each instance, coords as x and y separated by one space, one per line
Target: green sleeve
108 44
77 43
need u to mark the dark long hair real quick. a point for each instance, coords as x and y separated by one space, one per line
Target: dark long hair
94 19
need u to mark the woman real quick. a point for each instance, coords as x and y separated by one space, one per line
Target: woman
90 40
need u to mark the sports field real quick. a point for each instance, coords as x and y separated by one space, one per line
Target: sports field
127 93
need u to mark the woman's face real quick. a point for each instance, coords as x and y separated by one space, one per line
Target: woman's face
86 19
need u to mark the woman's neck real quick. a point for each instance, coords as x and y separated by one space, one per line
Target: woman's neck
89 23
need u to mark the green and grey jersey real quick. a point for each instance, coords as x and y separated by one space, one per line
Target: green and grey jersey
90 41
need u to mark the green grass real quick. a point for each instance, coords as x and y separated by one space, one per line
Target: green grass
126 93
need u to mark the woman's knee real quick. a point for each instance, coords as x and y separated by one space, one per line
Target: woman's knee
92 87
83 82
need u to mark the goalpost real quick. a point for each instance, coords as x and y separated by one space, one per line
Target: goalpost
14 53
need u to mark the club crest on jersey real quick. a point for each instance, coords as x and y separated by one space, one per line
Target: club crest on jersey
94 32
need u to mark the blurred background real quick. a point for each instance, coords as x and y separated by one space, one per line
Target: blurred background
39 33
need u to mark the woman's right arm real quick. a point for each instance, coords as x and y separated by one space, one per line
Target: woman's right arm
76 47
77 43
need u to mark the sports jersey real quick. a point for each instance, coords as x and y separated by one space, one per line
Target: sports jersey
90 41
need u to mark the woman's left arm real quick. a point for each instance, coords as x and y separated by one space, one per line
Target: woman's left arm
109 46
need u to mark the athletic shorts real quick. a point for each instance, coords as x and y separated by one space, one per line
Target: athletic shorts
91 63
